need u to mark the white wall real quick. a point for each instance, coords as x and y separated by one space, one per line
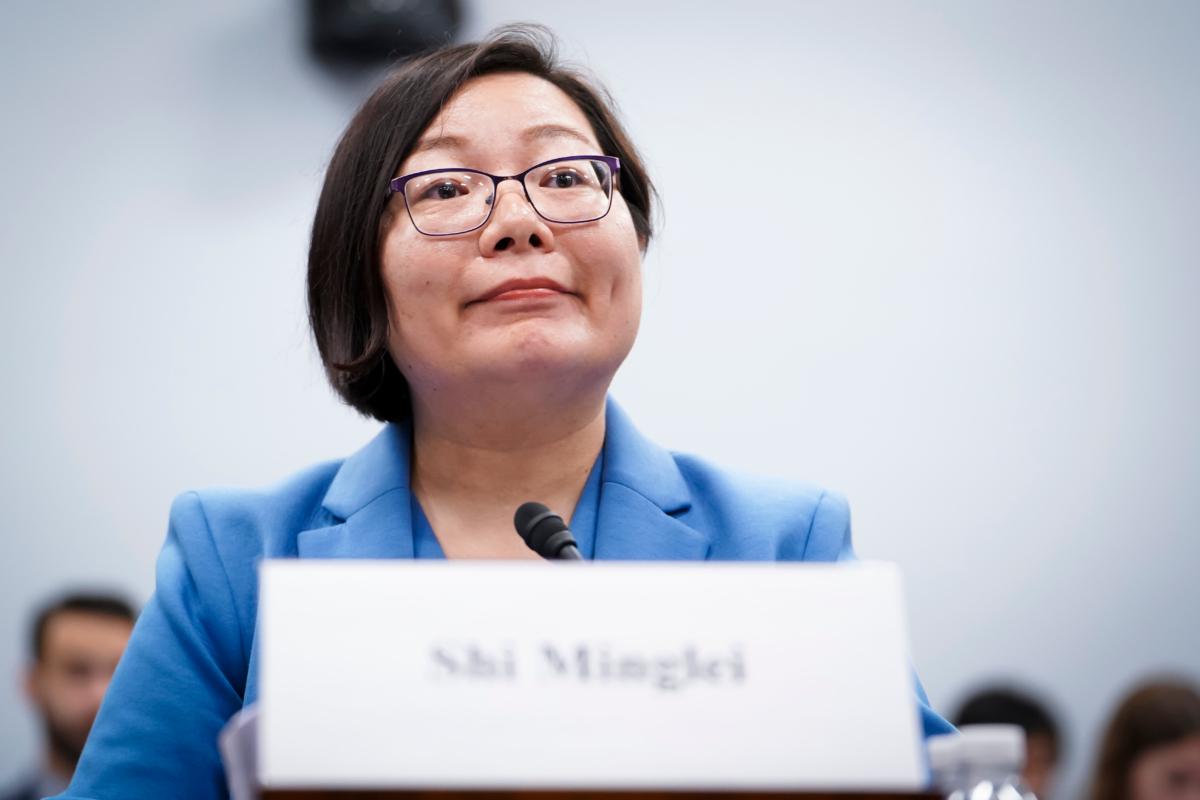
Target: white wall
940 256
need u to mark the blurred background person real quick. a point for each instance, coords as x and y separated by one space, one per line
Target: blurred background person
76 643
1009 706
1151 747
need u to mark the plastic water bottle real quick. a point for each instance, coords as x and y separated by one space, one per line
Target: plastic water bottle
948 765
993 756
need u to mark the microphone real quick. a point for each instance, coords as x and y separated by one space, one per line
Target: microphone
546 533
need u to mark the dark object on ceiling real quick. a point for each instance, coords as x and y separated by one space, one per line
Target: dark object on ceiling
370 32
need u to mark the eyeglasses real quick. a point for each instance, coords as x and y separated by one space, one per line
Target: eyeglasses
569 190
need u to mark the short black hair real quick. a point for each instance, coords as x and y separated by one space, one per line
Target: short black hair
104 604
347 309
1005 705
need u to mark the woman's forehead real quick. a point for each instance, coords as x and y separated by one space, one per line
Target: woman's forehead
511 115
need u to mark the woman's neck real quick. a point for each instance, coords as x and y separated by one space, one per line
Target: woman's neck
471 471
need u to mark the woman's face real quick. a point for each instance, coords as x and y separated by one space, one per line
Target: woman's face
1169 772
520 300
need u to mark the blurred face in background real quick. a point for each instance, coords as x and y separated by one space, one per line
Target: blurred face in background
1168 772
1040 758
79 653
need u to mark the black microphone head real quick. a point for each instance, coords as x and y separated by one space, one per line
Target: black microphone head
528 515
535 523
543 531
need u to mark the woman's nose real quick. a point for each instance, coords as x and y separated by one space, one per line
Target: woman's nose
514 225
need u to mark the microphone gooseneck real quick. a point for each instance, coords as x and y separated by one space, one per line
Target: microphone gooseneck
546 533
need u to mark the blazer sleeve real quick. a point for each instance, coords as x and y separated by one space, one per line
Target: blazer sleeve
829 540
181 678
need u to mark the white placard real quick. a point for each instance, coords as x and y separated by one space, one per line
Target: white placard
473 674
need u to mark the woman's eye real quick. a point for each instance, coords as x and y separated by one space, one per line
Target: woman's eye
445 190
564 179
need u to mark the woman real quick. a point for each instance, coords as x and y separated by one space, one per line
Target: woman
475 281
1151 748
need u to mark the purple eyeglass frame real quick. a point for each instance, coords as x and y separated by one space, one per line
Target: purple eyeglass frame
396 186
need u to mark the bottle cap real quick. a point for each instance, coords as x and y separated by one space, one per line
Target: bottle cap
945 752
994 746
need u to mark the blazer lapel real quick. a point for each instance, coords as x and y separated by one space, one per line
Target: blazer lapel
368 502
641 493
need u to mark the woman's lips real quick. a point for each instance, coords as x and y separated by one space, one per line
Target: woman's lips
522 289
524 294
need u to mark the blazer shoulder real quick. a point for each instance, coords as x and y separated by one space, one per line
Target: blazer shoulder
217 537
755 517
262 521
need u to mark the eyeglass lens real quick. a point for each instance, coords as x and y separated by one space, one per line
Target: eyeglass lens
456 201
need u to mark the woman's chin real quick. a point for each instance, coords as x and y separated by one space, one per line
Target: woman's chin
540 363
549 355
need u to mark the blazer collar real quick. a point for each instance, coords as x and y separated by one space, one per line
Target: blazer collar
370 503
641 492
641 466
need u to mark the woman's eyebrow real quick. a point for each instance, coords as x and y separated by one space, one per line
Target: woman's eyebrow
554 131
439 142
449 141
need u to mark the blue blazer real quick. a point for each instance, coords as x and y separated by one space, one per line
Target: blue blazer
191 663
